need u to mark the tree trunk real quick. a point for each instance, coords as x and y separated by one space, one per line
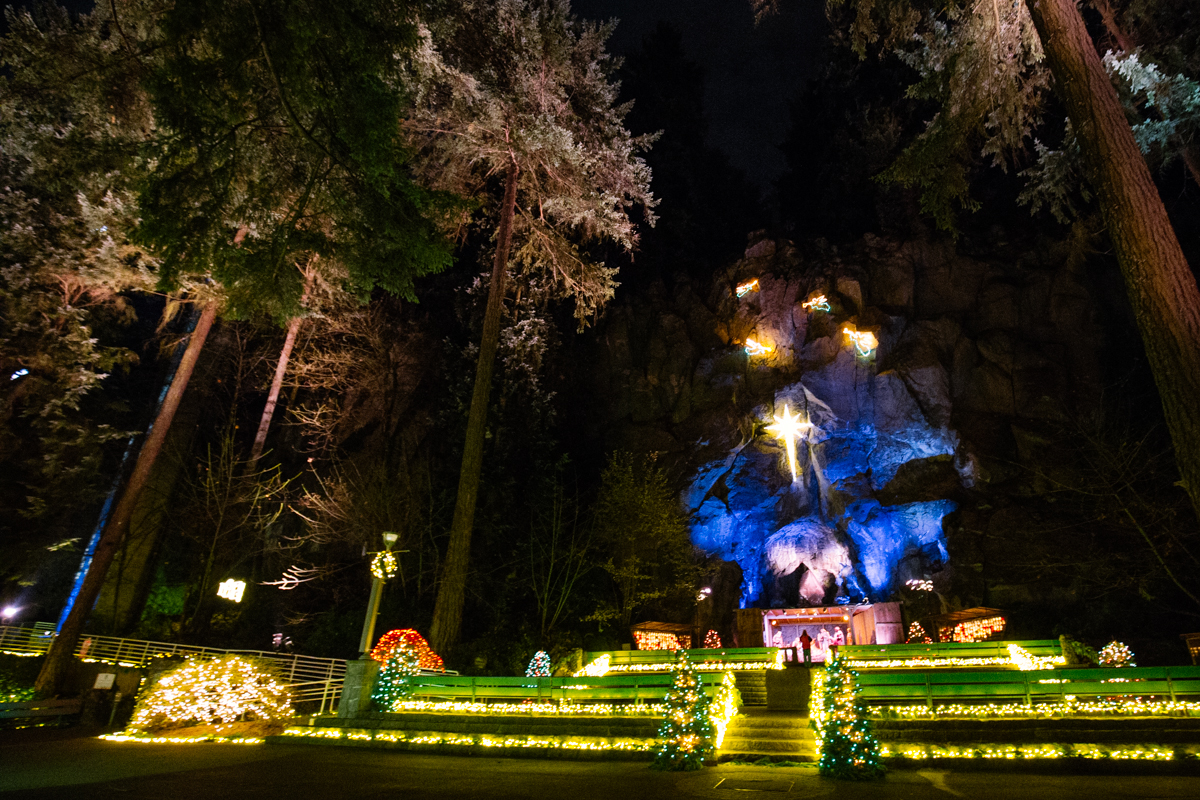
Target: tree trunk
62 650
1162 289
289 341
447 611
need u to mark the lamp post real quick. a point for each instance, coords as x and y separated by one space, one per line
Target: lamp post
378 575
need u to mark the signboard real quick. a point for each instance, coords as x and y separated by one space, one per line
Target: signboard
105 680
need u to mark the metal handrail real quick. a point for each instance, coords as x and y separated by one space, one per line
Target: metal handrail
309 677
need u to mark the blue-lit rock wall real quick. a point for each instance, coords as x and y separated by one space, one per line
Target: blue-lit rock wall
839 532
976 356
826 531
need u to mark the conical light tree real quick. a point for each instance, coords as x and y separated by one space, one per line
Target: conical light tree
687 730
839 717
392 684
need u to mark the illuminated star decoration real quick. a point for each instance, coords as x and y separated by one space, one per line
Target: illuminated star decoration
818 303
864 341
753 348
744 289
788 428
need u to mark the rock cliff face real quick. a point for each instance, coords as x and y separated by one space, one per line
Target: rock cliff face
973 354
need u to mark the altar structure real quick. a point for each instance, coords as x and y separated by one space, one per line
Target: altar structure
827 626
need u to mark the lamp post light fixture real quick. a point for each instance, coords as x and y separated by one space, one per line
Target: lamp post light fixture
378 576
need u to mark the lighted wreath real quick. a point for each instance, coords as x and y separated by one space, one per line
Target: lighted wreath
383 566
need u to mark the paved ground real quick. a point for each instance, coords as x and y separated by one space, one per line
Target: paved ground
46 765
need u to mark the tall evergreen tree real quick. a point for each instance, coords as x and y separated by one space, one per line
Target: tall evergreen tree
276 139
519 95
986 65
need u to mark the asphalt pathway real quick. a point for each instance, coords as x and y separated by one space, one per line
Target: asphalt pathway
84 768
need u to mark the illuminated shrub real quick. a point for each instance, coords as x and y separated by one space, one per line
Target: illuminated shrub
539 665
393 639
392 685
212 691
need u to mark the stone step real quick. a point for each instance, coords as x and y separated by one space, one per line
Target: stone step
750 755
740 744
746 723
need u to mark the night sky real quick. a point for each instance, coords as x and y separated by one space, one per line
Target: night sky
752 73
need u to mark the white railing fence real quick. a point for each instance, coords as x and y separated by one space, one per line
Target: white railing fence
311 679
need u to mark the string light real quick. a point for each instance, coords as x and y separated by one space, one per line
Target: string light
921 752
539 665
687 730
1116 654
393 639
473 740
392 685
657 640
127 738
817 303
603 665
724 707
598 668
864 341
973 630
231 590
1120 707
1028 662
754 348
530 708
838 716
712 640
744 289
917 634
206 691
918 585
383 566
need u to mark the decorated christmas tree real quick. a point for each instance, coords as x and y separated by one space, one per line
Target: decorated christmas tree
917 634
712 640
686 730
392 686
839 716
539 665
1116 654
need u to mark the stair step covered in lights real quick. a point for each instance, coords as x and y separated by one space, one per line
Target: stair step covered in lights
585 736
946 654
932 687
620 687
703 660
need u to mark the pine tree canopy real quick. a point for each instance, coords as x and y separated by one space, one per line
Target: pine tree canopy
522 83
279 136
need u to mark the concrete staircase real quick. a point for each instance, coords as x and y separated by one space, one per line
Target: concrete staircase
753 686
756 733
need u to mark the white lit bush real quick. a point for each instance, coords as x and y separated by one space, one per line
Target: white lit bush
212 691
